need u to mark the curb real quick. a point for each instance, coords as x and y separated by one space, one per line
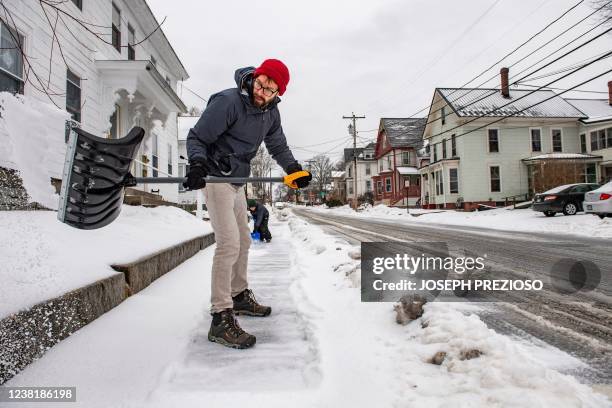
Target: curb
25 336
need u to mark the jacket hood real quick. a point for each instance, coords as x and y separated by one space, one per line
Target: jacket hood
244 82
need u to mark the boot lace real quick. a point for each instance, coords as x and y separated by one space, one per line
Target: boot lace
231 324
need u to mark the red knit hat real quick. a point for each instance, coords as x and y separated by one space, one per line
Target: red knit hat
275 70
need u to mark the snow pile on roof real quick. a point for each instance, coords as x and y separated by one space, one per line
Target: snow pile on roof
404 132
32 141
563 156
43 258
407 170
595 109
522 103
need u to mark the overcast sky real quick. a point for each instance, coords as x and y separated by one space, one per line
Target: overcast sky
378 59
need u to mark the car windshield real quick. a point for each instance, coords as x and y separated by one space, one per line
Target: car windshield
558 189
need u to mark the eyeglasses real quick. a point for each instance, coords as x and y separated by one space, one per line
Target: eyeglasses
266 91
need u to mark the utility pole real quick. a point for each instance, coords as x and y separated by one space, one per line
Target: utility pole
353 128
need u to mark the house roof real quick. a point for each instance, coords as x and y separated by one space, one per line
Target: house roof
490 103
596 109
404 132
348 152
404 170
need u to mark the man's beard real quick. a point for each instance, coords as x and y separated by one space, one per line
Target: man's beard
258 101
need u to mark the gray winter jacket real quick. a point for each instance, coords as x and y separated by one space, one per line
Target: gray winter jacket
231 129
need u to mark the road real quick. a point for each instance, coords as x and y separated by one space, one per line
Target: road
580 324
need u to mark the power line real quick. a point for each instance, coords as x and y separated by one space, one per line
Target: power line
509 54
495 90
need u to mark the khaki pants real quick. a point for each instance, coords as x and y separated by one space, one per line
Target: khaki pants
227 209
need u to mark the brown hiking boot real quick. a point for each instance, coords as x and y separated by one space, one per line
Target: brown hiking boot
225 330
246 304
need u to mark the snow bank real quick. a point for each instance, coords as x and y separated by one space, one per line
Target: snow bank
43 258
508 373
32 141
500 219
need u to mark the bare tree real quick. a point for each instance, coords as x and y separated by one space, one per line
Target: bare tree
321 168
261 166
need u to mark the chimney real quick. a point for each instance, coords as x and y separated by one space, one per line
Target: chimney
610 92
505 91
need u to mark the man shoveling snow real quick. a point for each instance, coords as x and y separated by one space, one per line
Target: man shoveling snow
223 142
260 220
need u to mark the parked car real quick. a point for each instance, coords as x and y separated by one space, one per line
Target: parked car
566 199
599 201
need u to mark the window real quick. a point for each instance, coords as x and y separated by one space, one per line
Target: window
388 184
593 141
73 95
154 153
114 120
439 182
453 181
493 140
169 159
536 140
153 61
495 179
116 28
406 158
435 153
557 143
453 146
78 3
11 60
444 148
368 170
131 42
601 137
368 185
443 115
350 189
388 162
379 187
609 134
583 147
350 171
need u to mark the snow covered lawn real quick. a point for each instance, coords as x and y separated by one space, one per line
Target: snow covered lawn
43 258
322 347
501 219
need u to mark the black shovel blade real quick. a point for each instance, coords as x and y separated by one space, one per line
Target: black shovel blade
94 178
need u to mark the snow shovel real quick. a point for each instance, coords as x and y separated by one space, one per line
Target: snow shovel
97 170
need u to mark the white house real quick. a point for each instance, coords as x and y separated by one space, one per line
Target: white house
366 169
476 158
106 87
595 131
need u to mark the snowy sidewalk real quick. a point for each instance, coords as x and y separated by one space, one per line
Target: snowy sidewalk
284 357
